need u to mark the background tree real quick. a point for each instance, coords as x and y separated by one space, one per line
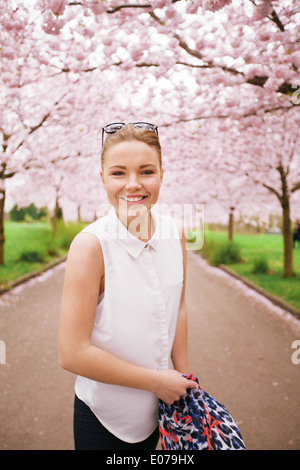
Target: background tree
68 67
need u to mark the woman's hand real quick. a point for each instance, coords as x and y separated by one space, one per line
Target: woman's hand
171 386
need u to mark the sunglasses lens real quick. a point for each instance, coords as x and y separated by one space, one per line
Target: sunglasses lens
112 128
145 125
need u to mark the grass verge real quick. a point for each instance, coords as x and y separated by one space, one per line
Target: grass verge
29 247
259 258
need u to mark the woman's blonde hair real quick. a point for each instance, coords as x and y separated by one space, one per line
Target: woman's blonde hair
129 133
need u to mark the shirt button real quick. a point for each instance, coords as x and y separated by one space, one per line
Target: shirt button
146 246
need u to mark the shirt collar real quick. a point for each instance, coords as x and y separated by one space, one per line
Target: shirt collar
132 245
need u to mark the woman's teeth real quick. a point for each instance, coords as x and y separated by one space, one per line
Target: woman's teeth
132 199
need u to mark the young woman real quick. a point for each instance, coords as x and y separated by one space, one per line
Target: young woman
123 315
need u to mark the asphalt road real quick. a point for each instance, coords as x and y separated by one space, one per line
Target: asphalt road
240 350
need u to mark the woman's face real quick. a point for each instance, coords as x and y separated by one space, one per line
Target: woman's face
132 177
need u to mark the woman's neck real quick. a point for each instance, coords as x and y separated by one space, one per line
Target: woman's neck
141 226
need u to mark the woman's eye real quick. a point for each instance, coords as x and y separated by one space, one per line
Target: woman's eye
121 173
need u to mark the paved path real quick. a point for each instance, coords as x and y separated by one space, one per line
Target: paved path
240 349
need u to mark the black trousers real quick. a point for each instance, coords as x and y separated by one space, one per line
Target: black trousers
90 434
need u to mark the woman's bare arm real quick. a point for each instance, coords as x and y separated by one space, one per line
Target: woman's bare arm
180 345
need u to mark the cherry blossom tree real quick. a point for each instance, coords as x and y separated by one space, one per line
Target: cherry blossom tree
207 71
273 139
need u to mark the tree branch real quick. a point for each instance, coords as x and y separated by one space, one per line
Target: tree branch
273 17
120 7
9 175
272 190
295 187
3 175
43 120
285 88
199 118
225 116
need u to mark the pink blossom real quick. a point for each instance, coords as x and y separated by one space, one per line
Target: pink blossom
192 7
254 70
170 13
108 41
272 84
87 32
57 6
52 25
214 5
9 79
264 36
136 53
98 8
126 65
160 3
7 23
12 25
282 72
296 58
8 53
79 55
262 10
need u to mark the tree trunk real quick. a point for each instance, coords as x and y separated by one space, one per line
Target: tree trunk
230 224
78 214
284 200
54 217
2 197
288 270
2 238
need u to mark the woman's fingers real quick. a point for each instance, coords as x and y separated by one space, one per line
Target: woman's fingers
172 386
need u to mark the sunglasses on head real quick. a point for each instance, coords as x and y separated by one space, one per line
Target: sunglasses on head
117 126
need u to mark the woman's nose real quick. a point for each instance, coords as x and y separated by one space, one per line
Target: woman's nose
133 182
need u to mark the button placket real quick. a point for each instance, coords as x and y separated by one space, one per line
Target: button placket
161 310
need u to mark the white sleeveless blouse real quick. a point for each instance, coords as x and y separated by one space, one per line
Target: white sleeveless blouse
135 319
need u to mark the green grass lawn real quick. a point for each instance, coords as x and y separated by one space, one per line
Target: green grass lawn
260 246
21 238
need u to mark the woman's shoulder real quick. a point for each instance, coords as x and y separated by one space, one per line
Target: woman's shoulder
98 228
85 265
85 251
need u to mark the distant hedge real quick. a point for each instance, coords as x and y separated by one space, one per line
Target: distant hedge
19 214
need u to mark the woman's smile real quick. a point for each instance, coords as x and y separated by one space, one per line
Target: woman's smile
132 199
